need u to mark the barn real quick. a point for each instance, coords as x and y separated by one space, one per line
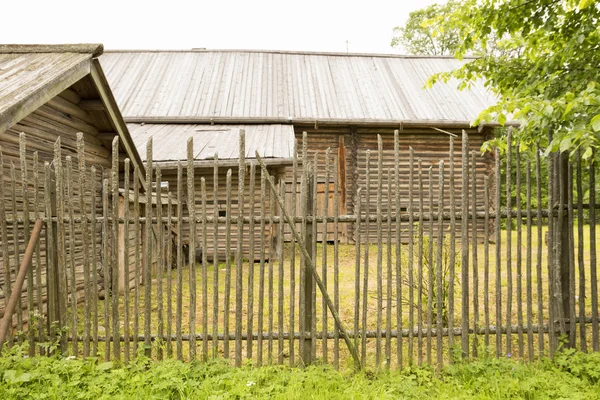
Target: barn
47 93
342 101
275 142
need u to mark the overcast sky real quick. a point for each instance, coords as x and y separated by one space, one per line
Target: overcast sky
318 25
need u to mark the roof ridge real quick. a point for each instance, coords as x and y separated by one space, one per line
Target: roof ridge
296 52
95 49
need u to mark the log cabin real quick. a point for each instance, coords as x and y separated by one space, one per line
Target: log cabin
343 101
49 93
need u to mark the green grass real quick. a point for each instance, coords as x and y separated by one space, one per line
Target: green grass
570 375
347 296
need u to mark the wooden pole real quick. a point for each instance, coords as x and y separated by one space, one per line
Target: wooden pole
16 293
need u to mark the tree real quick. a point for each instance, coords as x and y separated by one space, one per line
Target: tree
416 37
546 73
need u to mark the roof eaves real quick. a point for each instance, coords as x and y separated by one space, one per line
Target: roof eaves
95 49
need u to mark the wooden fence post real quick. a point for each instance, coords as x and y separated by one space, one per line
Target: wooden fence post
52 281
308 277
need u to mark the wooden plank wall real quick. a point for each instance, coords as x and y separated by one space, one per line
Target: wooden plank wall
62 117
170 176
429 145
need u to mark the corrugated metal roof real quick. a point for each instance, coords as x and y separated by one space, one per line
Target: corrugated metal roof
22 75
169 141
287 85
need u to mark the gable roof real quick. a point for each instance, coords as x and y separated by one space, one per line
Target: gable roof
243 86
32 75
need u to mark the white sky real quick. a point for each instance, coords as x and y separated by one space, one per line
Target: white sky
317 25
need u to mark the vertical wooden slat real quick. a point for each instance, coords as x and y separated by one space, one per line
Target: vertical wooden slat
115 249
280 278
205 273
17 255
239 255
324 237
398 251
61 252
170 275
138 257
251 257
41 338
313 329
72 278
293 211
452 256
498 239
519 280
570 225
357 253
430 263
261 277
148 247
305 355
366 262
464 245
85 250
474 249
127 271
420 266
593 271
550 248
379 252
411 239
439 266
509 267
51 248
486 259
336 259
270 280
26 235
528 266
216 290
389 275
191 200
538 192
105 266
227 296
5 249
160 265
580 254
179 312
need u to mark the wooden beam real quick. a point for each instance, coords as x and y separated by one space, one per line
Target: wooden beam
27 105
93 49
115 114
91 105
106 136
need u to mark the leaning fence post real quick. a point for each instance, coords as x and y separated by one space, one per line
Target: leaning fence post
308 277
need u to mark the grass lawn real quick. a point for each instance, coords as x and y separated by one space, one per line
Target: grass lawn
570 375
422 350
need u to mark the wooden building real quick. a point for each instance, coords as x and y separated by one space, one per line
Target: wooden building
274 142
343 101
46 93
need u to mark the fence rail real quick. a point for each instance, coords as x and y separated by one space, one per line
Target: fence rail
427 267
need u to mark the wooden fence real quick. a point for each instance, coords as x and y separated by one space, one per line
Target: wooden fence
114 274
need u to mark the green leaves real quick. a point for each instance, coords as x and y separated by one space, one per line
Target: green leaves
540 59
595 123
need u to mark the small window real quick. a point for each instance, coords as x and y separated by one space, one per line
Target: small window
222 213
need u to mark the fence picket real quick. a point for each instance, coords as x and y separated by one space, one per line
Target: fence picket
72 277
439 266
580 255
420 267
528 266
251 246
